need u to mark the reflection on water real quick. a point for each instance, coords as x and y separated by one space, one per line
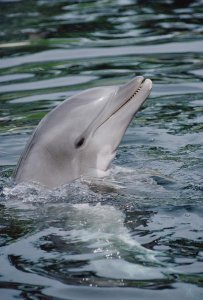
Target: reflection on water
141 228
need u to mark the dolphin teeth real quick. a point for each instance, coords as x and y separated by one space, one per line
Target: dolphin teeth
135 93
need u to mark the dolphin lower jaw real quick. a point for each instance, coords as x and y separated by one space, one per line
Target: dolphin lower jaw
120 117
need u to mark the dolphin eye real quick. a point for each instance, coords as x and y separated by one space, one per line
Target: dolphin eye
80 142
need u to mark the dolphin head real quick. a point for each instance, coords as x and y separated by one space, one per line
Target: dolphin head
80 137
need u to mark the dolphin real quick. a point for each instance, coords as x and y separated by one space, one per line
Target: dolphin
81 135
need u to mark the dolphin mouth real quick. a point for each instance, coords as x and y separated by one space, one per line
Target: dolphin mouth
138 87
133 89
128 99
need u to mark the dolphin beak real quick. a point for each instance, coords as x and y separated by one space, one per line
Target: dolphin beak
136 90
126 90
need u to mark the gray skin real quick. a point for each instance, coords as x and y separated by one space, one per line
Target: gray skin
80 136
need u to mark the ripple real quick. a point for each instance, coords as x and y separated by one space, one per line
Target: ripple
13 77
48 83
70 54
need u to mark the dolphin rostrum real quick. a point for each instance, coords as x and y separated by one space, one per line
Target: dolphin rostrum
81 135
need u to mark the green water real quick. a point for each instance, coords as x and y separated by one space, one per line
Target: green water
143 238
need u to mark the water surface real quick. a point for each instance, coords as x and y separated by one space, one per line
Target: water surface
138 233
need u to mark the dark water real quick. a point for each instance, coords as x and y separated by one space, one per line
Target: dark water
138 234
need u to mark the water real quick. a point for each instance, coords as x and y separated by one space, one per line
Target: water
138 233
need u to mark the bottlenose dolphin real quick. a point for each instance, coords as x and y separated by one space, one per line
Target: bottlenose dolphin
80 136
